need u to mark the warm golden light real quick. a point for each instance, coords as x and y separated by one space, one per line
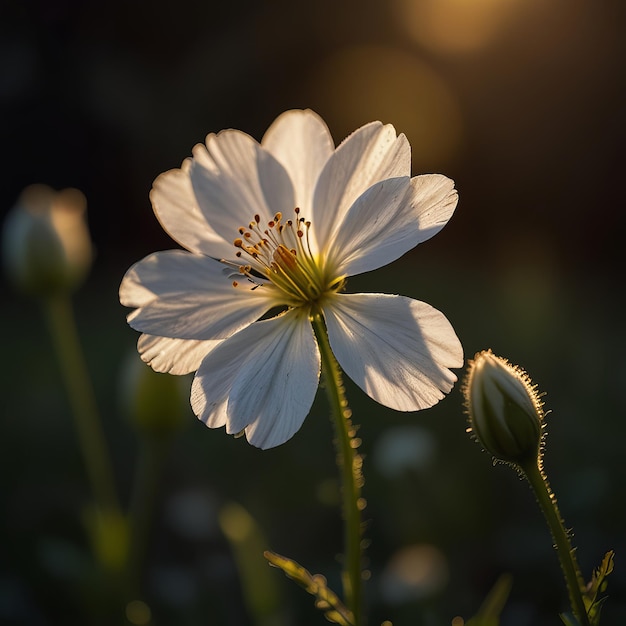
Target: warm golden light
362 83
454 26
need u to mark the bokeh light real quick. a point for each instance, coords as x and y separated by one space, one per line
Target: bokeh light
363 83
413 573
455 26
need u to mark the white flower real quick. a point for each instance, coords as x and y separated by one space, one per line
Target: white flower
278 227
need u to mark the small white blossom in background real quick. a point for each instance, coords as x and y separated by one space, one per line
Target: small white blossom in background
404 449
414 572
278 227
46 245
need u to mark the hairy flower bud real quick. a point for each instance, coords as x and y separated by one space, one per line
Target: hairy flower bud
47 249
505 410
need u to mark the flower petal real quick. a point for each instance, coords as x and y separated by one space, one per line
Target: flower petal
262 379
245 180
176 207
398 350
379 227
186 296
434 201
173 356
301 141
389 219
370 154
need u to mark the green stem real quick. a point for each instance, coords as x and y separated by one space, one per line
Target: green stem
350 463
145 490
62 324
565 551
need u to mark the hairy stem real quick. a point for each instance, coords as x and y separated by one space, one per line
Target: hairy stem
350 463
565 551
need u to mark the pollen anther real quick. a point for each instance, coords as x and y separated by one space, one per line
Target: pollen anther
281 256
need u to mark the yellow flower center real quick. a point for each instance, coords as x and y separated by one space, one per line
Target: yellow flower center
280 253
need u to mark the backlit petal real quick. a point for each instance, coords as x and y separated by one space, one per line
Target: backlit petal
389 219
262 379
379 227
398 350
434 201
181 295
370 154
245 180
173 356
301 141
176 207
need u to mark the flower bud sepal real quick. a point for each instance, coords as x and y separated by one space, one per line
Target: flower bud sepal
505 410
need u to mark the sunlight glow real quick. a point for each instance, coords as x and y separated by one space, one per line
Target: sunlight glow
454 26
382 82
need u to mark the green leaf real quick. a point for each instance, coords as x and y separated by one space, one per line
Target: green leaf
568 619
489 613
326 600
597 586
261 593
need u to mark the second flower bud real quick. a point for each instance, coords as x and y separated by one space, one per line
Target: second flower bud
505 409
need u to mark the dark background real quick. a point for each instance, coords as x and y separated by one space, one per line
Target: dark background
520 102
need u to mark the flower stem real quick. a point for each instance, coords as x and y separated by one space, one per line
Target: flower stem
62 325
350 463
148 473
567 556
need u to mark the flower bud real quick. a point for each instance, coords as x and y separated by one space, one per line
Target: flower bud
154 402
505 410
46 244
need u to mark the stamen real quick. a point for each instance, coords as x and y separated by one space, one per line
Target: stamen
285 257
281 254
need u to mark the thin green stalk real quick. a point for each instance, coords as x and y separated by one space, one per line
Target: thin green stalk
145 490
565 551
62 324
350 463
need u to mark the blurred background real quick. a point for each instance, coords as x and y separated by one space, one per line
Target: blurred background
522 103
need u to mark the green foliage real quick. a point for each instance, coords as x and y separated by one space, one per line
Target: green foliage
109 534
261 592
597 586
326 600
